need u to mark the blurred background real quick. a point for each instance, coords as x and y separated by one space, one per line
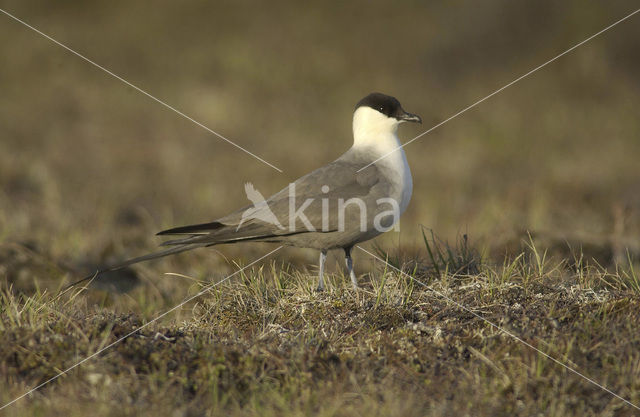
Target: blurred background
91 169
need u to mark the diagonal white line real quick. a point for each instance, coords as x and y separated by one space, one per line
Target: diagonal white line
503 330
502 88
140 90
208 288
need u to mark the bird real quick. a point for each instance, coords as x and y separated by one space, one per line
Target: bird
355 198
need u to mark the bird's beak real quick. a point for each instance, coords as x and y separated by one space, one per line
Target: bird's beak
408 117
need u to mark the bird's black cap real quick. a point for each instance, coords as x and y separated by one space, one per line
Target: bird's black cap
389 106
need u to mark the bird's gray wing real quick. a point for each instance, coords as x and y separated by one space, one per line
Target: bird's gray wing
299 206
315 199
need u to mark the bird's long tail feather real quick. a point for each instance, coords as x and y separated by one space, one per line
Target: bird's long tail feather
153 255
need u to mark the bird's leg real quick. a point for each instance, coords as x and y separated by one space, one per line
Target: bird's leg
349 262
323 257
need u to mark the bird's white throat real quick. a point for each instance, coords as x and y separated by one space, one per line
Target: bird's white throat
372 129
376 133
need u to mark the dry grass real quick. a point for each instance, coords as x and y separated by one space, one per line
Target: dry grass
265 343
